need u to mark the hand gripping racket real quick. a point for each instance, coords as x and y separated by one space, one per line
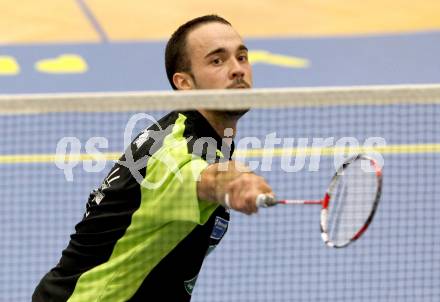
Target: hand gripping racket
349 204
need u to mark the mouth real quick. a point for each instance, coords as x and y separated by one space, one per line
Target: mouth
241 85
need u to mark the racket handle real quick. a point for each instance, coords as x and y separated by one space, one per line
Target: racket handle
264 201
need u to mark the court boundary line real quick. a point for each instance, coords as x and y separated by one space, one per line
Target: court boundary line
90 16
239 153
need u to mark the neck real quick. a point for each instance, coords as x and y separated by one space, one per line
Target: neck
220 120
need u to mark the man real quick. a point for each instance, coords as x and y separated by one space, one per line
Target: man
146 240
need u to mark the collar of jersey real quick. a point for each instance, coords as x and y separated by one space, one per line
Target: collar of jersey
203 128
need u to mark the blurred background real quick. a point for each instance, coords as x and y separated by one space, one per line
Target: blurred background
102 45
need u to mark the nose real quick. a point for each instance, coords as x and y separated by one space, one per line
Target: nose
237 69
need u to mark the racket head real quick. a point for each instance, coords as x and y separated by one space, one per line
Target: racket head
351 201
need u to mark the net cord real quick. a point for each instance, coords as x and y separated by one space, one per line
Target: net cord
225 99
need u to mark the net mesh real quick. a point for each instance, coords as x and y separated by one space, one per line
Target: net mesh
295 138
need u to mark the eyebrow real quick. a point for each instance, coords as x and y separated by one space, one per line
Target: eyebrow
223 50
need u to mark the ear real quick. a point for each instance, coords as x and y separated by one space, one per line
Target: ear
183 81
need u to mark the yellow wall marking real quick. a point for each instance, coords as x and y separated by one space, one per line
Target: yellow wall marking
66 63
8 66
266 57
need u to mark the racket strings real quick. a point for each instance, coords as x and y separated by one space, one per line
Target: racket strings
351 203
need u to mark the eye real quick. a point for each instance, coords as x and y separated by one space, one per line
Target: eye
216 61
242 58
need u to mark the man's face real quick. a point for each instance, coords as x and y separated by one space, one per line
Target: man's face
218 58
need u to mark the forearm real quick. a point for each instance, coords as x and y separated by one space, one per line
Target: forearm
234 179
215 178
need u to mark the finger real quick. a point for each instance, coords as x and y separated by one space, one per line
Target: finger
250 201
242 200
231 190
264 186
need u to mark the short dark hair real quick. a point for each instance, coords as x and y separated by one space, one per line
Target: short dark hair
176 56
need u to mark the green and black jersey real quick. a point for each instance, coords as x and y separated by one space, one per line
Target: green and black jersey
145 233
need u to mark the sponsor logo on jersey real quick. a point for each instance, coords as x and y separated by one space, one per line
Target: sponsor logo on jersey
189 284
219 229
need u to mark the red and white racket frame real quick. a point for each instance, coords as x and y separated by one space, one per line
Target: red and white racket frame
267 201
